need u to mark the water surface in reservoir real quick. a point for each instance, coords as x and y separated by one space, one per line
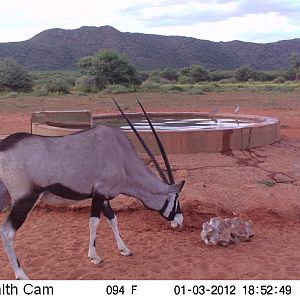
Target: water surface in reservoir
182 124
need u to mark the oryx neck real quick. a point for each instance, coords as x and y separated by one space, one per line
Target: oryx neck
149 189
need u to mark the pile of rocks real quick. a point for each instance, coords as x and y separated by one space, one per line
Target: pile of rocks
220 231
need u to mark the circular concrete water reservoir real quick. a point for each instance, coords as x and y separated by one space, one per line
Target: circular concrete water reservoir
180 132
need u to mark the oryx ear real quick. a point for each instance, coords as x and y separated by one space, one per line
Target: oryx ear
176 188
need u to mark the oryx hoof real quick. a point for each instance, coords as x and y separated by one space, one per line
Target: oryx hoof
97 260
126 252
22 277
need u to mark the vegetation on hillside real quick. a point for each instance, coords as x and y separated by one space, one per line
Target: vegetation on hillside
59 49
109 72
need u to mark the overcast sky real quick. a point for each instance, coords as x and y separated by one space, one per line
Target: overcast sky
219 20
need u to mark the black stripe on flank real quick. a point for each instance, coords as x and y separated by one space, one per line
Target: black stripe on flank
10 141
65 192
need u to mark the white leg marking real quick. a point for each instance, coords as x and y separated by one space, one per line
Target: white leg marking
8 234
120 243
92 254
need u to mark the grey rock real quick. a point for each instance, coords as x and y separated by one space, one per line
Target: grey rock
218 231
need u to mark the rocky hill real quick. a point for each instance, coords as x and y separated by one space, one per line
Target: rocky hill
59 49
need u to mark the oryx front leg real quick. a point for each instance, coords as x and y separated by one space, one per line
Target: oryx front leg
97 205
14 221
112 221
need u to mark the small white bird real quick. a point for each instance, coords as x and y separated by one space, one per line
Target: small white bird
237 110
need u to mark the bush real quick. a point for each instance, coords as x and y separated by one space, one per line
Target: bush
169 74
264 76
196 72
176 88
155 78
150 86
143 76
195 91
9 95
108 67
85 84
220 75
13 77
244 73
279 79
184 79
118 89
185 71
211 87
228 80
40 91
56 85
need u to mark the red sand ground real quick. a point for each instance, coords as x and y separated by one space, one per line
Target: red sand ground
53 243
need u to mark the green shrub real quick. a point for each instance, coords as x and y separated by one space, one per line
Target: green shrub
156 78
9 95
13 77
150 86
118 89
279 79
220 75
143 76
184 79
244 73
55 85
12 94
176 88
109 67
210 87
169 74
227 80
40 91
196 72
85 84
195 91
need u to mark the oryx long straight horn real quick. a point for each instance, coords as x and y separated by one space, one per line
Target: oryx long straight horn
150 154
160 145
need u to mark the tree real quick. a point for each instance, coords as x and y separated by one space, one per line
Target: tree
244 73
295 62
14 77
169 74
109 67
198 73
195 72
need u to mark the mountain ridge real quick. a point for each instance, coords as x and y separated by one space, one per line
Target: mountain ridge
59 49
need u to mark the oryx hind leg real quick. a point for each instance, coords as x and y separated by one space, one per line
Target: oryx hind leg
14 221
112 221
97 206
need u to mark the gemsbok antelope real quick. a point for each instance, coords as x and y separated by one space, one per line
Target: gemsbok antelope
97 163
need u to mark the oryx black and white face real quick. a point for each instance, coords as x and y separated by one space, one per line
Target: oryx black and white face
171 211
171 208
